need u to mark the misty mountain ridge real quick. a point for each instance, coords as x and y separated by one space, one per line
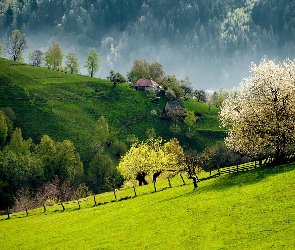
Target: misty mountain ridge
211 42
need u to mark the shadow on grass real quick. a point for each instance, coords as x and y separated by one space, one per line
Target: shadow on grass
246 178
238 179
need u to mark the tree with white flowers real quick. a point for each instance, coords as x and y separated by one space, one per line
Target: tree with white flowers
261 117
15 45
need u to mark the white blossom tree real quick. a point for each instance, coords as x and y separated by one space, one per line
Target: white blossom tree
15 45
261 117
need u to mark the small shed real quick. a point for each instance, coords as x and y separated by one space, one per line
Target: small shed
175 108
146 84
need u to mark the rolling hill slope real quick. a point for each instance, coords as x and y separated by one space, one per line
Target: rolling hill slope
66 106
251 210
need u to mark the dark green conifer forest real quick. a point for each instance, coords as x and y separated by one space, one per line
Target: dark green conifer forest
210 41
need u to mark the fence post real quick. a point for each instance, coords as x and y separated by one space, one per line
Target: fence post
155 186
237 167
182 179
8 213
134 192
169 182
44 207
94 201
115 194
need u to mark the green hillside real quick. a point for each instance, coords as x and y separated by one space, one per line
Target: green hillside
251 210
66 106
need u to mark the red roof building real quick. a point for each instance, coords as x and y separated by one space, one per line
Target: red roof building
146 84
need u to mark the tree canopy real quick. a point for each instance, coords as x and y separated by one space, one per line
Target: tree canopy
54 56
261 117
144 69
93 62
15 45
150 157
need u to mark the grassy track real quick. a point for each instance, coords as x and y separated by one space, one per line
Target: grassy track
251 210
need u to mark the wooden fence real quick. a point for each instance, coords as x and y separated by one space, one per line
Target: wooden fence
128 193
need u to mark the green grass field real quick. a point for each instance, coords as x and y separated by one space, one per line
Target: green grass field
66 106
249 210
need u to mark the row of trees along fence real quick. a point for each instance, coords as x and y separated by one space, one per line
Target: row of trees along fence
126 193
54 204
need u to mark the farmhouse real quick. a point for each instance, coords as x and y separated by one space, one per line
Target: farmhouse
175 108
146 84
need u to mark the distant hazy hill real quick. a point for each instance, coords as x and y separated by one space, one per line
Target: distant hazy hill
212 42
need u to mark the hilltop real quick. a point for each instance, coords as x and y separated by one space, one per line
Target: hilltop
252 210
66 106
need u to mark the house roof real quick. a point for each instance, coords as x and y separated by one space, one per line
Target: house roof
146 82
176 104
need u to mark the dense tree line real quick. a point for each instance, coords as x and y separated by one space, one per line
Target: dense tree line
32 171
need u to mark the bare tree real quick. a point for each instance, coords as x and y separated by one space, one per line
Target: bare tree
81 192
37 58
57 191
191 167
23 201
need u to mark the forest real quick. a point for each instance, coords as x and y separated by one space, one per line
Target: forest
212 42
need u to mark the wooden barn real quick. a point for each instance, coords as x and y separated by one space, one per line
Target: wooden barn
175 108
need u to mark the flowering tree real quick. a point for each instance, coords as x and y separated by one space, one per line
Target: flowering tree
261 118
151 157
15 45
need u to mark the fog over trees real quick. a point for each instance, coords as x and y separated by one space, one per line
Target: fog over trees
212 42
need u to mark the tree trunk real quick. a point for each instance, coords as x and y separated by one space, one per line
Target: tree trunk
94 200
44 207
155 175
63 207
141 179
8 213
169 182
195 182
182 179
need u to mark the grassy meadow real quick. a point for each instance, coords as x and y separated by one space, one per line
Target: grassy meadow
249 210
66 106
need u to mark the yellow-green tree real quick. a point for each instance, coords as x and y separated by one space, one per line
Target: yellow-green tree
3 128
152 156
93 62
72 63
54 56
